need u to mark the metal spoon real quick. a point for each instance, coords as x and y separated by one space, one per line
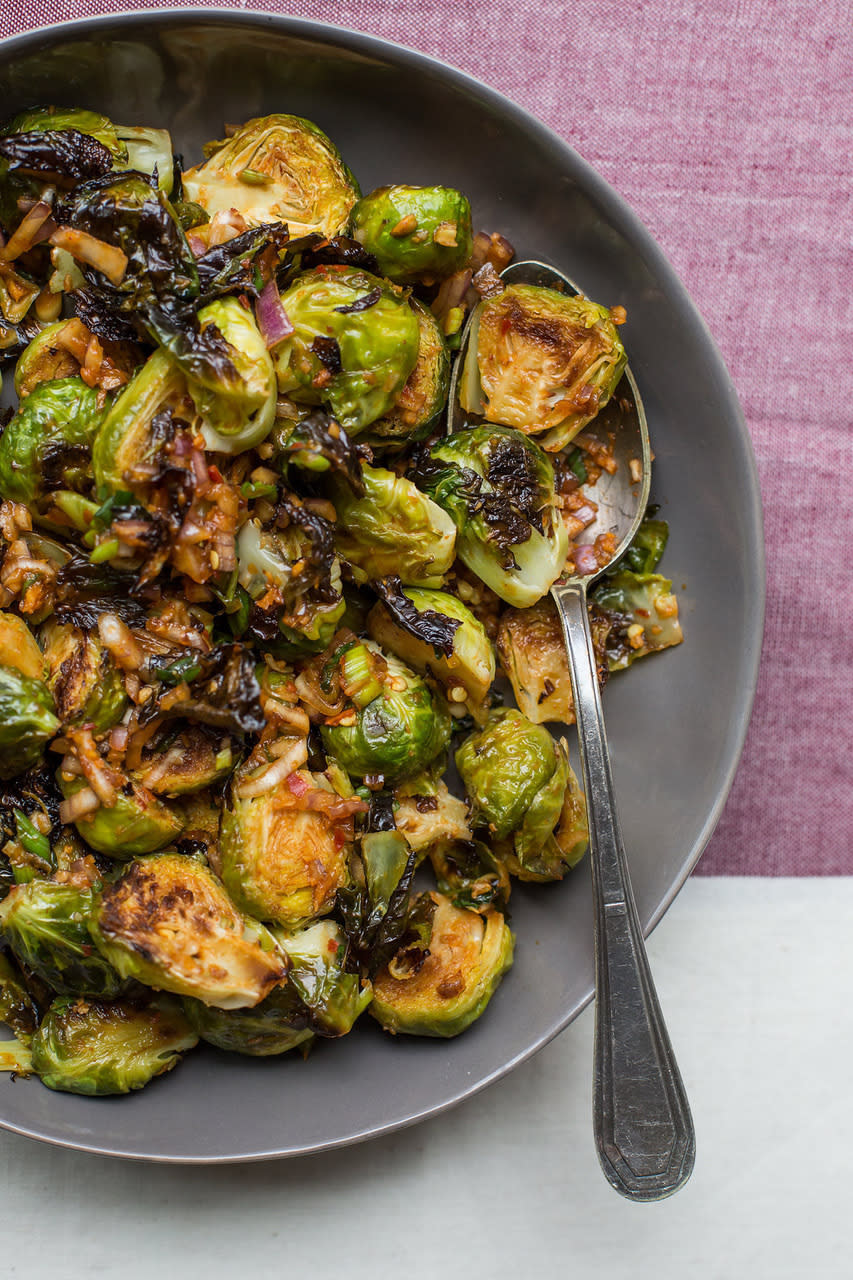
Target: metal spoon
641 1119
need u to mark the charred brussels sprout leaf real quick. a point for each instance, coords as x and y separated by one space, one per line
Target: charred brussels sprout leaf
27 721
243 263
94 1048
468 955
470 875
223 692
642 614
45 925
398 732
381 917
415 233
435 632
56 153
541 361
18 1009
274 1026
648 545
47 444
393 529
318 443
331 999
50 118
240 414
158 291
277 168
498 487
356 361
169 923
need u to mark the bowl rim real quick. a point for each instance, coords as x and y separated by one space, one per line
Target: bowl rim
614 207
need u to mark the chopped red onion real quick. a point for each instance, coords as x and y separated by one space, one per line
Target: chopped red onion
586 560
271 316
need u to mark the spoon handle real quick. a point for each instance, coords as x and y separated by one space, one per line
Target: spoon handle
641 1118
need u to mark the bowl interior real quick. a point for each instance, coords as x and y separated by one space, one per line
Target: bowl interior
676 723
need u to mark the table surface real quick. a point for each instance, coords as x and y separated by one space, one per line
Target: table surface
753 975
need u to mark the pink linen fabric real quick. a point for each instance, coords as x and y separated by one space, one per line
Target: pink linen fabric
728 126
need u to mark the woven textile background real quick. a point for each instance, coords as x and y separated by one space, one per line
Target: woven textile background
728 126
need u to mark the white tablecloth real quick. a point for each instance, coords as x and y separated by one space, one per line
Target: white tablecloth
754 976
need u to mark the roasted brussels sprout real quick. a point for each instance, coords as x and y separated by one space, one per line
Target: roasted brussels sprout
87 1046
428 814
127 146
274 1026
47 444
18 647
169 923
45 925
294 566
532 652
415 233
642 613
183 759
240 414
392 529
148 151
127 435
60 350
353 346
85 683
498 487
284 851
517 778
277 168
331 999
424 396
396 728
468 955
50 119
436 632
27 721
136 823
18 1009
541 361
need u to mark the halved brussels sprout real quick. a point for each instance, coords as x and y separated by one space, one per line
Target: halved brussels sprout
642 612
277 168
86 685
148 151
436 632
427 813
126 438
331 999
18 1010
468 955
45 925
541 361
532 652
274 1026
237 416
93 1048
137 823
280 859
498 486
47 444
354 344
521 785
169 923
392 529
53 355
424 396
27 721
184 758
291 566
18 647
415 233
393 732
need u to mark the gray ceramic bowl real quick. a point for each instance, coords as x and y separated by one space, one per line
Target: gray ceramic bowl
676 723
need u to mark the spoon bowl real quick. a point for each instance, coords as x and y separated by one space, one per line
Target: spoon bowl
641 1118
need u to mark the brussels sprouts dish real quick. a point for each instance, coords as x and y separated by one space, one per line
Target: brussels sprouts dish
277 655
